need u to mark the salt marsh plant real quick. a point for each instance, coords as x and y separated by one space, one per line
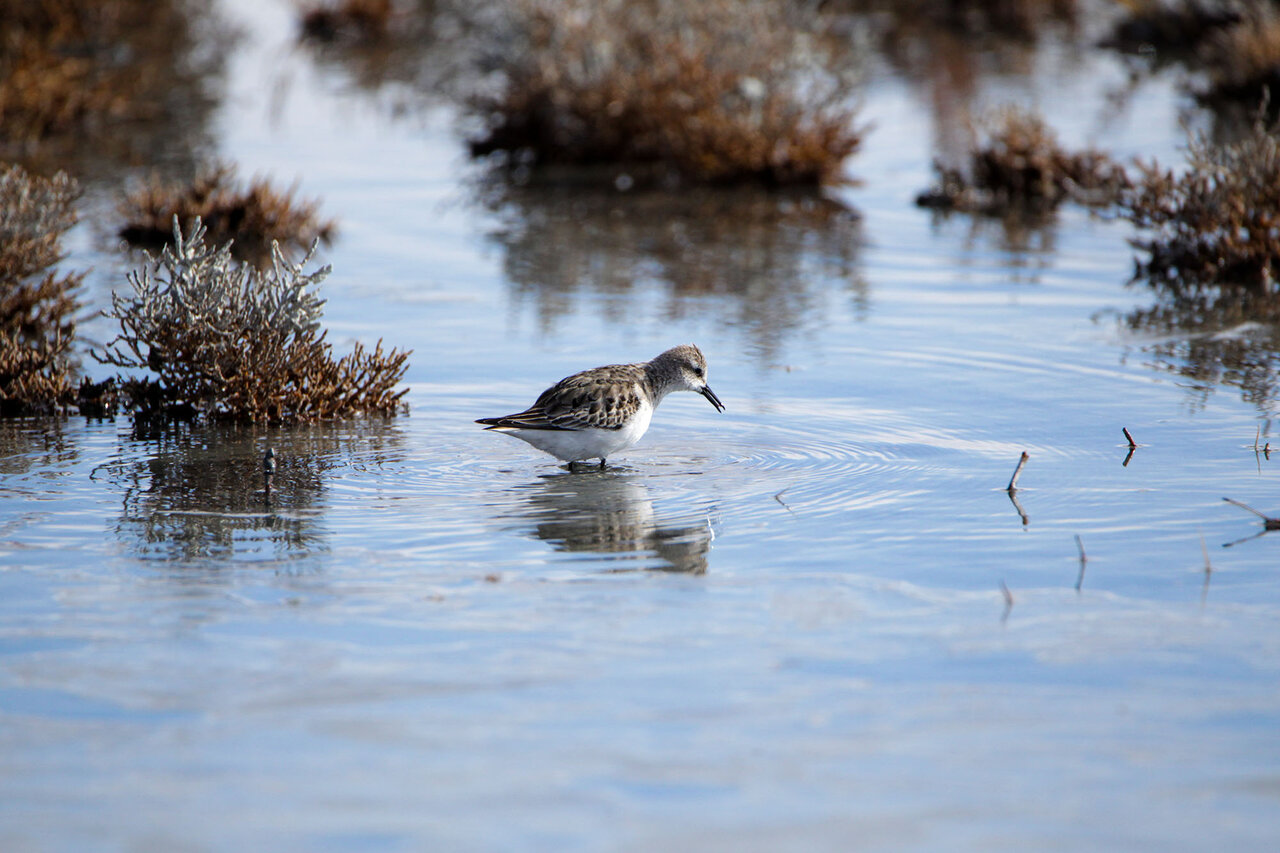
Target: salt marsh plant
1243 60
253 216
1021 168
228 341
720 91
88 78
1216 222
37 303
1233 45
1211 239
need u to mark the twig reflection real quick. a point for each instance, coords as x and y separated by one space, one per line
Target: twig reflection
1084 560
1268 523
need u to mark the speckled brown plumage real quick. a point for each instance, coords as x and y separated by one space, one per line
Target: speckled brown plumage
606 408
601 398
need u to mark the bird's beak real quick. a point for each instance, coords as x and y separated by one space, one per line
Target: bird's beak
711 396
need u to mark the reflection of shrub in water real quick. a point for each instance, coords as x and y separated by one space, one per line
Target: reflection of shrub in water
37 305
30 449
1248 359
410 53
194 495
716 91
1021 168
230 342
254 216
769 257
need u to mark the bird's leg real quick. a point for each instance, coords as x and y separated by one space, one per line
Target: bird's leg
601 463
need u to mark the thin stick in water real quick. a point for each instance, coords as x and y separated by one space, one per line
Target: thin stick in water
1129 438
1013 481
268 470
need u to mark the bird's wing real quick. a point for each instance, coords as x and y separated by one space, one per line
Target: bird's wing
534 417
580 401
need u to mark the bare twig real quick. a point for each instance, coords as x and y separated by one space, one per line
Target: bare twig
1013 481
778 498
1133 445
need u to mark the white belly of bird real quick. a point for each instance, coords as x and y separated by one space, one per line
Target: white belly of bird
581 444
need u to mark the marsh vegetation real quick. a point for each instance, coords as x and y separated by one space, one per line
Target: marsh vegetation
227 341
38 303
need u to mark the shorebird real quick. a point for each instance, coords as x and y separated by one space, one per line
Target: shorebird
598 412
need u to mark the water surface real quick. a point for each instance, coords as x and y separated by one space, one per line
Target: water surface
780 627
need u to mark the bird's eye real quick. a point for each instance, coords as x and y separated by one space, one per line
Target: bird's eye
697 371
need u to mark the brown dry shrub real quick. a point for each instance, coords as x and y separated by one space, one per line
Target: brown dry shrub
1215 223
1233 44
718 91
37 304
254 216
1243 61
228 341
1212 258
1022 168
77 69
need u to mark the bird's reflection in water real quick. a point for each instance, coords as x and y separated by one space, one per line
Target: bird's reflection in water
611 513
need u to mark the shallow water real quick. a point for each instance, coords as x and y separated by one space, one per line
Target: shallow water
780 627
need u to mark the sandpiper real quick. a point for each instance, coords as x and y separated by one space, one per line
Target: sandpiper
595 413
